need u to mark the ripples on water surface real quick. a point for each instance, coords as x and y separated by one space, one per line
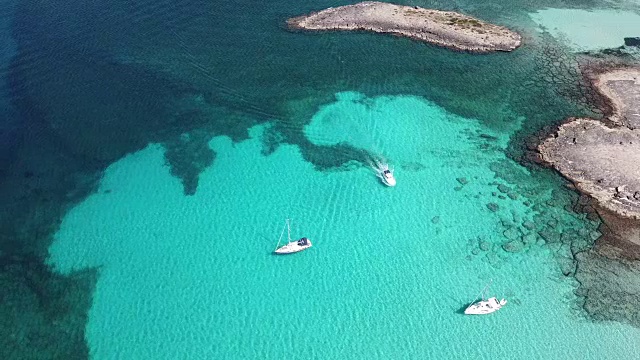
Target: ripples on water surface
152 150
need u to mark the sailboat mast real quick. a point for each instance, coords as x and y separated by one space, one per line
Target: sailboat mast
288 230
484 291
280 238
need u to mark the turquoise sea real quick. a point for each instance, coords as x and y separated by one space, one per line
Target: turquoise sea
152 150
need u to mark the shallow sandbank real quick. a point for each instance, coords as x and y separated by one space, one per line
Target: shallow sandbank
588 29
443 28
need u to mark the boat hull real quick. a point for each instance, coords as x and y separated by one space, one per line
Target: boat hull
485 307
292 248
389 181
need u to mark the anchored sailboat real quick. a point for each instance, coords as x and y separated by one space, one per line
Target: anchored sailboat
484 306
291 246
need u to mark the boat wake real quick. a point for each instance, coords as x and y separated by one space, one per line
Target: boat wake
379 166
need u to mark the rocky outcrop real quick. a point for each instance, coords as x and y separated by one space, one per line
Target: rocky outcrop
604 161
632 41
622 87
443 28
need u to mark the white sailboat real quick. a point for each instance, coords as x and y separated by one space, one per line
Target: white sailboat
291 246
484 306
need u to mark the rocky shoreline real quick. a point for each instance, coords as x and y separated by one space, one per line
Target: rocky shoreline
603 160
443 28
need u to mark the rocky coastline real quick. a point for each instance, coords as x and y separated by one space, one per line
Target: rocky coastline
443 28
602 159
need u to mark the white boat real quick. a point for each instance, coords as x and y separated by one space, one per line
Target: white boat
387 178
483 306
385 173
291 246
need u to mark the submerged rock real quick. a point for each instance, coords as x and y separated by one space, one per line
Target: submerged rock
529 239
516 216
506 222
610 285
632 41
511 233
513 246
549 236
593 216
484 245
493 207
493 259
567 265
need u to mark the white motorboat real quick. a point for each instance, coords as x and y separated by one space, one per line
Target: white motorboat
483 306
383 171
291 246
387 177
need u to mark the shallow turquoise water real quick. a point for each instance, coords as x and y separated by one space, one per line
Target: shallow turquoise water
194 277
589 29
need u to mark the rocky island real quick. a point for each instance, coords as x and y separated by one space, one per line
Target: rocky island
443 28
603 160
